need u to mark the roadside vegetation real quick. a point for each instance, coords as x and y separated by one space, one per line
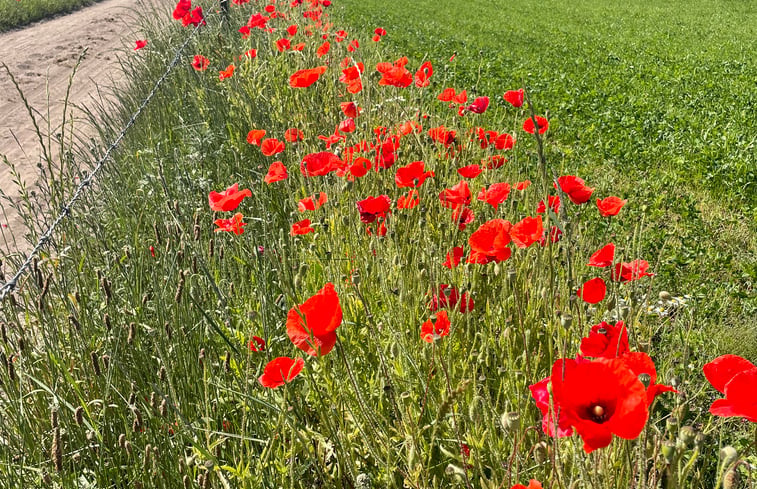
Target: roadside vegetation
18 13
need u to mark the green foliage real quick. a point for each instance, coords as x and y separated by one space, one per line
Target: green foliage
17 13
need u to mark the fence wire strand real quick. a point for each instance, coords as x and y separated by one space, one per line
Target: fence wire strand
11 284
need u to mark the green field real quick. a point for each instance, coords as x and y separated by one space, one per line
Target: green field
17 13
125 356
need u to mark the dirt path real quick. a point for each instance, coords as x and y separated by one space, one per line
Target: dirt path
41 58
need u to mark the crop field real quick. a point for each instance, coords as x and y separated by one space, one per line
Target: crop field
17 13
422 245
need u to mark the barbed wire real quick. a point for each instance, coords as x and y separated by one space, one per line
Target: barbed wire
11 284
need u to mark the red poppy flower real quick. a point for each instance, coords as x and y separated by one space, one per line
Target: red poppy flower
395 74
442 135
280 371
234 225
423 75
504 141
599 399
360 167
603 257
479 105
350 109
456 196
312 325
409 200
522 185
347 126
256 344
352 77
532 484
293 135
227 73
514 97
628 272
270 147
283 44
495 194
200 63
323 49
461 97
527 232
292 30
140 43
255 135
735 377
305 78
301 227
555 235
540 394
409 127
554 204
448 297
193 18
489 242
447 95
182 8
341 35
311 204
374 207
276 172
354 44
528 125
610 206
470 171
412 175
575 188
494 162
434 331
229 199
606 341
593 291
640 363
379 31
462 216
319 164
453 257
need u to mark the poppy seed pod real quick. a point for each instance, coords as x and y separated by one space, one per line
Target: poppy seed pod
671 425
646 379
665 296
728 456
687 435
669 452
566 320
540 452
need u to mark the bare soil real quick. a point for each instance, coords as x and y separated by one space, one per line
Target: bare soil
41 57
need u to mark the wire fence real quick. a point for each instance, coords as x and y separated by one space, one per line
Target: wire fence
9 286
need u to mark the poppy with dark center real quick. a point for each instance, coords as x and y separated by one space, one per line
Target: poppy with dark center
311 203
271 146
293 135
642 365
593 291
234 225
462 216
470 171
628 272
409 200
599 399
736 378
495 194
319 164
280 370
529 127
610 206
575 188
374 207
312 325
412 175
229 199
305 78
301 227
431 331
200 63
456 196
514 97
527 232
489 242
603 257
448 297
276 172
606 341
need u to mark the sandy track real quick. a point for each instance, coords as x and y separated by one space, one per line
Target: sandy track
41 58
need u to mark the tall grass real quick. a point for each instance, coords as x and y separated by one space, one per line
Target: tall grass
125 354
18 13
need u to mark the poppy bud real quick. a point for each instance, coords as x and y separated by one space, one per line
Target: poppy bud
687 435
540 452
699 440
355 278
669 452
457 472
566 320
671 424
510 421
665 296
728 456
731 479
